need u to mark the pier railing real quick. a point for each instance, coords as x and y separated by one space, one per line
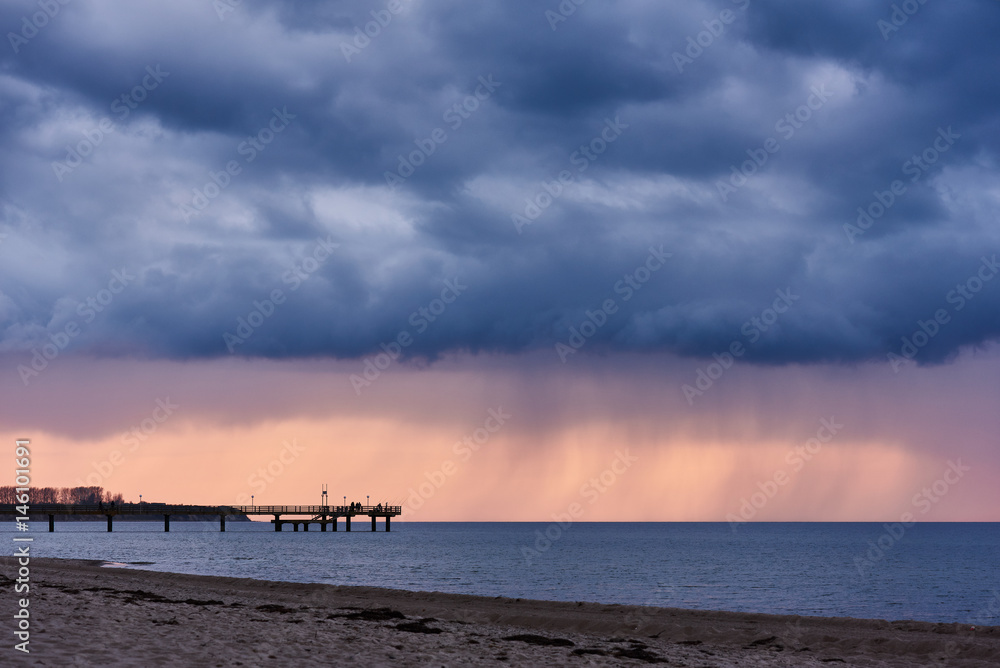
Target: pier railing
119 509
318 510
176 509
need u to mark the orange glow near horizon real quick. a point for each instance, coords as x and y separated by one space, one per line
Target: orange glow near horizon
285 463
402 443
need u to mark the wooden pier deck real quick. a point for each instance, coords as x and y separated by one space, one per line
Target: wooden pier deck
324 516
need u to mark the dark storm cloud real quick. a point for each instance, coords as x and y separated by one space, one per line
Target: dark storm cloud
494 100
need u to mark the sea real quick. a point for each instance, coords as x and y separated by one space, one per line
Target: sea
937 572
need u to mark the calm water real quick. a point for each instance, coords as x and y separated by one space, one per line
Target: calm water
933 572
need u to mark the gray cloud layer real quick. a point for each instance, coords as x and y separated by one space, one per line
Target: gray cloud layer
201 92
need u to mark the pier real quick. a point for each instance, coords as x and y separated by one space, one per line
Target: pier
324 516
297 516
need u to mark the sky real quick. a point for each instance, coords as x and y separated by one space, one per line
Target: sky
713 261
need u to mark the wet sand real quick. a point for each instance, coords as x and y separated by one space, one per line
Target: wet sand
83 613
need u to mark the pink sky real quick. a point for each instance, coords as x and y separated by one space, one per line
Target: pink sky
563 427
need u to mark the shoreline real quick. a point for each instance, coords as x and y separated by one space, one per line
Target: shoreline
161 618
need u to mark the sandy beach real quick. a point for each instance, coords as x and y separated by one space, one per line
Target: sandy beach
85 613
